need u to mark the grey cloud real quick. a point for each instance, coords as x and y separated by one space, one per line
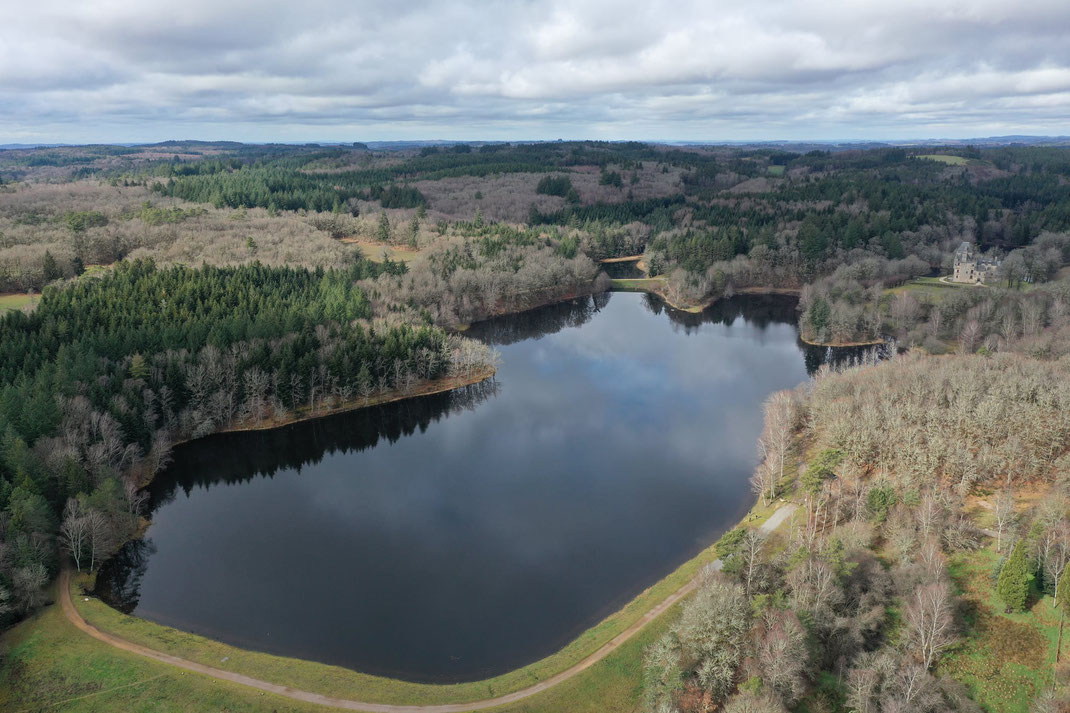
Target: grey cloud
267 70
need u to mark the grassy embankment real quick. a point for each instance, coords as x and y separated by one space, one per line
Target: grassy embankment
50 663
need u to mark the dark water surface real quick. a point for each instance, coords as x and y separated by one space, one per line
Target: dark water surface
459 536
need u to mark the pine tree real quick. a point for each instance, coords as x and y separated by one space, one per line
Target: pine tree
1013 583
383 232
1062 592
51 268
414 232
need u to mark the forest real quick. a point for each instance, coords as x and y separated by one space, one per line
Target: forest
107 374
863 606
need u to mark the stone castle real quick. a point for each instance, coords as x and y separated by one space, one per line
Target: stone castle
973 268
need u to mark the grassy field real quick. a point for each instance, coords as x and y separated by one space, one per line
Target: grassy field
1004 660
379 252
928 289
944 158
51 666
17 301
775 170
642 284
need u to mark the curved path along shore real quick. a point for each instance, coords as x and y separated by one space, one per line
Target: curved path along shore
67 605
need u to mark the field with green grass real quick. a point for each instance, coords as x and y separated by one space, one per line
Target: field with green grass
775 170
1005 660
945 158
929 289
638 283
17 301
379 252
51 666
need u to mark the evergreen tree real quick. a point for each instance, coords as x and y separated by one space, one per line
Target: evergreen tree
383 232
1013 583
414 232
51 269
1062 593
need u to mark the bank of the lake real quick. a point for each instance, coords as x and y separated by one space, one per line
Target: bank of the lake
303 415
656 286
614 678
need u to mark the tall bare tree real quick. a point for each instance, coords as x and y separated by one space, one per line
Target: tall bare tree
1003 509
929 620
775 440
74 531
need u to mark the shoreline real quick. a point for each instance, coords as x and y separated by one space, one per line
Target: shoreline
842 345
428 388
642 285
654 286
339 687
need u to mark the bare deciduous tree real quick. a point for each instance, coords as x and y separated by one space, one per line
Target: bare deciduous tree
930 623
775 441
1003 509
100 536
751 552
74 531
782 655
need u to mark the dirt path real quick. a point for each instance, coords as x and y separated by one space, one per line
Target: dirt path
609 647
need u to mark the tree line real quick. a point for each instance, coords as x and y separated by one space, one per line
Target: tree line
107 374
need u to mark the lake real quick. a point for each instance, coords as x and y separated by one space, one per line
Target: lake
459 536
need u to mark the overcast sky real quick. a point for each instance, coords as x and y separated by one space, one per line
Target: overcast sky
261 70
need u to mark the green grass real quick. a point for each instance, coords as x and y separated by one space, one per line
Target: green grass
1005 660
945 158
51 666
613 684
378 252
17 301
927 289
637 283
775 170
